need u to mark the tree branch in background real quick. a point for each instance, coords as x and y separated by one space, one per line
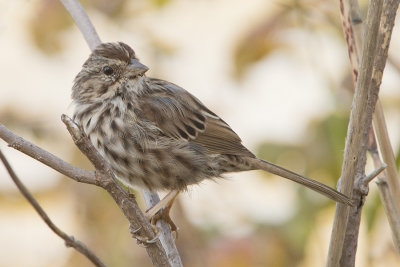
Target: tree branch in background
82 20
356 143
70 241
386 27
33 151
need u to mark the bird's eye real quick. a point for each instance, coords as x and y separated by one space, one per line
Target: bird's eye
108 70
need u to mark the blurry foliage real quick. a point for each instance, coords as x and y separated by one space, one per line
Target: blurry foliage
50 20
47 24
111 9
20 123
253 251
323 150
104 229
266 37
323 147
161 3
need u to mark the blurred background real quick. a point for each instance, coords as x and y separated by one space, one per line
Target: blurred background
276 71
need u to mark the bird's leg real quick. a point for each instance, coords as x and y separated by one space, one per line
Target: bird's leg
161 210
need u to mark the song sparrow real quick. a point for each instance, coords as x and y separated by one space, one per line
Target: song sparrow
154 133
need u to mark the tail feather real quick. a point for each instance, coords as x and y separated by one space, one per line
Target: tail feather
310 183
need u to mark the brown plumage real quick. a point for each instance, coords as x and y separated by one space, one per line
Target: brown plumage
156 134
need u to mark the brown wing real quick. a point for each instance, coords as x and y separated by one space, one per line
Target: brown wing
180 115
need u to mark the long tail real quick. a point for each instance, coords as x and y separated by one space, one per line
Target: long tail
310 183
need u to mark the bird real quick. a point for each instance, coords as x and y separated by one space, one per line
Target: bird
157 135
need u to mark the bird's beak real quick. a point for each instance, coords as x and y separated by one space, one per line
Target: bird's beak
136 67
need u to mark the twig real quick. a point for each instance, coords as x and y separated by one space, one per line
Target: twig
386 27
374 173
166 238
70 241
82 20
390 208
45 157
357 136
387 153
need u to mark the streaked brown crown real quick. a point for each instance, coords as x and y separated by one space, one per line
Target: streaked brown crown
118 50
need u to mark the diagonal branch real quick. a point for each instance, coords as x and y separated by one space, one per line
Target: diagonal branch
45 157
70 241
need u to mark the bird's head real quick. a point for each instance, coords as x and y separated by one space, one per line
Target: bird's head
109 67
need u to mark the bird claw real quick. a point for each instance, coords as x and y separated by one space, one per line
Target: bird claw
134 231
142 241
161 211
145 242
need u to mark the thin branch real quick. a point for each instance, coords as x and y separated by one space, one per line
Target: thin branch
82 20
357 136
45 157
166 238
374 173
386 27
387 199
387 150
70 241
390 208
390 175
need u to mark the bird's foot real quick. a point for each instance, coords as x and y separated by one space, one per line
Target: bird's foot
161 211
142 241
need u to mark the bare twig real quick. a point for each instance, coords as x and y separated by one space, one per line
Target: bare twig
374 173
166 239
70 241
82 20
386 27
351 13
390 208
45 157
387 153
357 137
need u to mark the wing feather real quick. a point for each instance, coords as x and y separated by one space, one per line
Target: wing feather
180 115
